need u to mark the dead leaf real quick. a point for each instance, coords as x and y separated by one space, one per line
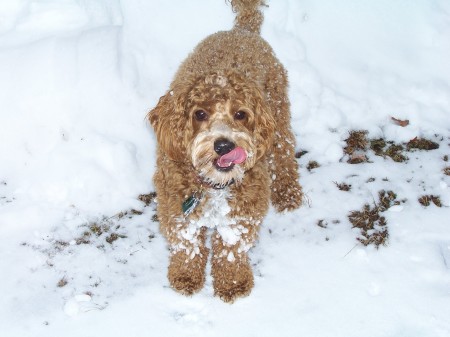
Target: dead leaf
358 158
400 122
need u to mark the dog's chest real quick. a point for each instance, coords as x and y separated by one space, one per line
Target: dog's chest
216 205
215 215
215 209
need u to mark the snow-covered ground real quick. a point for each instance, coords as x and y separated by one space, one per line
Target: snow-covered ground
80 254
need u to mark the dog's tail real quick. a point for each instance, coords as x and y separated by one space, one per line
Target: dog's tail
249 16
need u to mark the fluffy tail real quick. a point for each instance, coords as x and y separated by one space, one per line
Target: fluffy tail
249 16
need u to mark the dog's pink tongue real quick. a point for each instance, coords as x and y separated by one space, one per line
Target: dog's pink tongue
235 156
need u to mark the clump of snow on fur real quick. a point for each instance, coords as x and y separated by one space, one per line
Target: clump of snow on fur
215 217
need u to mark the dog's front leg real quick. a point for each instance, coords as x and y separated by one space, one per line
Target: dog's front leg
231 269
188 259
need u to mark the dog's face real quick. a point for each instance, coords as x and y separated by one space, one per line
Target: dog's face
219 124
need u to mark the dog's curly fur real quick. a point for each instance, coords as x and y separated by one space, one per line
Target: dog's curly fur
231 88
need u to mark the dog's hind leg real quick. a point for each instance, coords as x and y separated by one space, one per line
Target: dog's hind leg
286 192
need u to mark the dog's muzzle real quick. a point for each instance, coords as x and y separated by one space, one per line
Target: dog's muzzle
229 155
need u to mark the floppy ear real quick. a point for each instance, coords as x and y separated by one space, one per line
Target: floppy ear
264 124
171 125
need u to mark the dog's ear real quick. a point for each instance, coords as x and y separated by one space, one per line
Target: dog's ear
171 126
264 124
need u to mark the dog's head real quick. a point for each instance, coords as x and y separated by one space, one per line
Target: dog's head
218 123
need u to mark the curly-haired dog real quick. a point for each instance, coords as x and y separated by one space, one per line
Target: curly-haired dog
225 150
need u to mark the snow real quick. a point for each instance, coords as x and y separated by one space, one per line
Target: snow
214 217
77 79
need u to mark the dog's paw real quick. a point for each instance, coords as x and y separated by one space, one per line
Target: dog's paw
229 292
186 275
232 280
287 198
186 284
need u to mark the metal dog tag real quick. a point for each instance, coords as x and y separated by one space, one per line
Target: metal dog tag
191 203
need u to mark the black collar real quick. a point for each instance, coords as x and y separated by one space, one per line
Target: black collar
217 186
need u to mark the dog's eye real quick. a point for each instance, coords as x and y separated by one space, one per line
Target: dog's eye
240 115
201 115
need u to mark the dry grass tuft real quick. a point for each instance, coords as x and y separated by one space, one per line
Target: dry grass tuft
422 144
62 282
98 229
113 237
377 146
372 225
104 230
357 140
147 199
312 165
426 200
343 186
387 200
357 144
394 151
446 170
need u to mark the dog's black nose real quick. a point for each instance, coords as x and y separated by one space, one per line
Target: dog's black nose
223 146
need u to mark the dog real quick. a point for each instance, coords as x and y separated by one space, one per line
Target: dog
225 151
